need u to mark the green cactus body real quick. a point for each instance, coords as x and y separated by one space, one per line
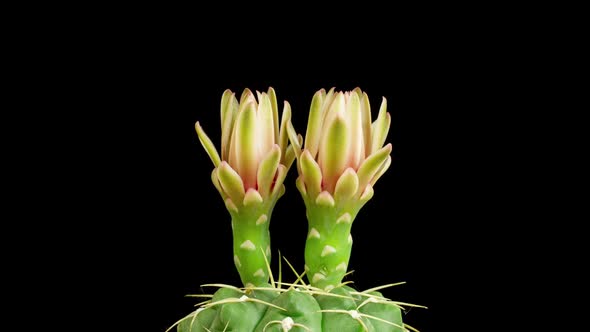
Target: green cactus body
341 310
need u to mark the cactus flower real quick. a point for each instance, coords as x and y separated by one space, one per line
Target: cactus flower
249 172
342 159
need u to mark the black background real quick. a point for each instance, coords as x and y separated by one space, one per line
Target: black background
175 229
155 226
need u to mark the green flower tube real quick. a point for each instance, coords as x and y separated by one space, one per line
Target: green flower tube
342 159
249 174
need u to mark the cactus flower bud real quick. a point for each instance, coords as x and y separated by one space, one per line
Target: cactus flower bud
342 159
249 173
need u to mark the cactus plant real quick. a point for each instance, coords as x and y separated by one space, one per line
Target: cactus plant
341 160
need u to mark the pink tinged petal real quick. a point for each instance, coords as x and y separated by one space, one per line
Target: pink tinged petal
252 197
208 145
225 98
311 173
346 96
265 127
325 199
278 189
216 183
275 112
366 118
231 182
347 186
246 146
228 120
380 127
372 165
232 157
353 111
247 97
234 142
326 106
382 170
334 152
267 170
314 123
285 121
337 108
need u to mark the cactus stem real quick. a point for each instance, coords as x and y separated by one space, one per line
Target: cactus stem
251 240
